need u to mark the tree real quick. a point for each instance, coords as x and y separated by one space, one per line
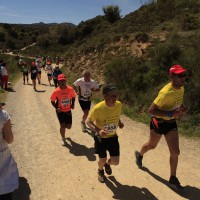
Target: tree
2 37
112 13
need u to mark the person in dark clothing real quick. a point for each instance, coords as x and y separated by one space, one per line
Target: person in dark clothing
55 74
33 72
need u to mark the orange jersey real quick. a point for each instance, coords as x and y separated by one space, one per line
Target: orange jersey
63 98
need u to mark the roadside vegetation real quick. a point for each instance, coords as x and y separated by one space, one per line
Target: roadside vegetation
133 52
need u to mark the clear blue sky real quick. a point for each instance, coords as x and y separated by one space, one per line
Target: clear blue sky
48 11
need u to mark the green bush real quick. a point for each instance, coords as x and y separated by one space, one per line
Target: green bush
128 76
142 37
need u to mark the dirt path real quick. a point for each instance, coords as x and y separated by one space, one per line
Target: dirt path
49 171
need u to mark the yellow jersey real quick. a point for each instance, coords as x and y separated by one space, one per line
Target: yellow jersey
105 117
169 99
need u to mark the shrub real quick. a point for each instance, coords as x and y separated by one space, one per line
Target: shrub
142 37
128 76
112 13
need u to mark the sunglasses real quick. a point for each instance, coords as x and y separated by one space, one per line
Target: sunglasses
113 96
180 75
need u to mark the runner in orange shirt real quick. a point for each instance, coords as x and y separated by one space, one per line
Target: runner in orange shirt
63 99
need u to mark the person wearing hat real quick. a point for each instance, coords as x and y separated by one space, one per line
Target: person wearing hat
164 110
56 72
33 71
9 175
84 87
63 100
104 118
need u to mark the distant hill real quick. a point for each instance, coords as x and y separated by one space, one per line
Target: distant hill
16 36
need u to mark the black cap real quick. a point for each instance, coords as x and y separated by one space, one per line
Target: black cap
2 104
108 88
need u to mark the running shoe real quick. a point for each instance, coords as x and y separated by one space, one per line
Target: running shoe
175 184
83 126
138 159
101 176
108 169
63 142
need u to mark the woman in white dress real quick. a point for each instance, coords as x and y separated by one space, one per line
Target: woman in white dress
9 176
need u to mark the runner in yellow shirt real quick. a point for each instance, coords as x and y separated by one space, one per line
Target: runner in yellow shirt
164 110
104 119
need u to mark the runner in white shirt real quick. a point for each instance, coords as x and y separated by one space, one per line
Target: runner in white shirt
39 67
84 87
49 70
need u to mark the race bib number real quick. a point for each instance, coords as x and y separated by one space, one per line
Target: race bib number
110 127
87 94
34 71
65 102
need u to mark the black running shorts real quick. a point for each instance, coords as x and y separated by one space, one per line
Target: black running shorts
85 105
64 117
161 126
25 73
107 144
33 76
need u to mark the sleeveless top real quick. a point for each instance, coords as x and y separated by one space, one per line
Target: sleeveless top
9 177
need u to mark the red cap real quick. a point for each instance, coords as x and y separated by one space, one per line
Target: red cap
33 63
176 69
61 77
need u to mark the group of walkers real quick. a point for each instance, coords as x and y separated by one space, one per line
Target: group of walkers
104 119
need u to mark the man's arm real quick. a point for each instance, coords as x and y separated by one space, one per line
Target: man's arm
54 104
73 103
93 127
155 110
120 124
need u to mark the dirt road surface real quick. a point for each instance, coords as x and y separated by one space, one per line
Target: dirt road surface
49 171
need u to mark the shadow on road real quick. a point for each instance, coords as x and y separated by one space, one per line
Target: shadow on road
24 191
40 90
90 132
127 192
189 192
10 90
80 150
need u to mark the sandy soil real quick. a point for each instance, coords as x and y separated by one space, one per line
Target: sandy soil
49 171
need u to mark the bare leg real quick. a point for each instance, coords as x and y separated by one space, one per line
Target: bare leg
154 138
101 163
114 160
85 115
173 144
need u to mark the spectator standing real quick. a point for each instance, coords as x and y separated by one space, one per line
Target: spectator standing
9 176
1 63
4 73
